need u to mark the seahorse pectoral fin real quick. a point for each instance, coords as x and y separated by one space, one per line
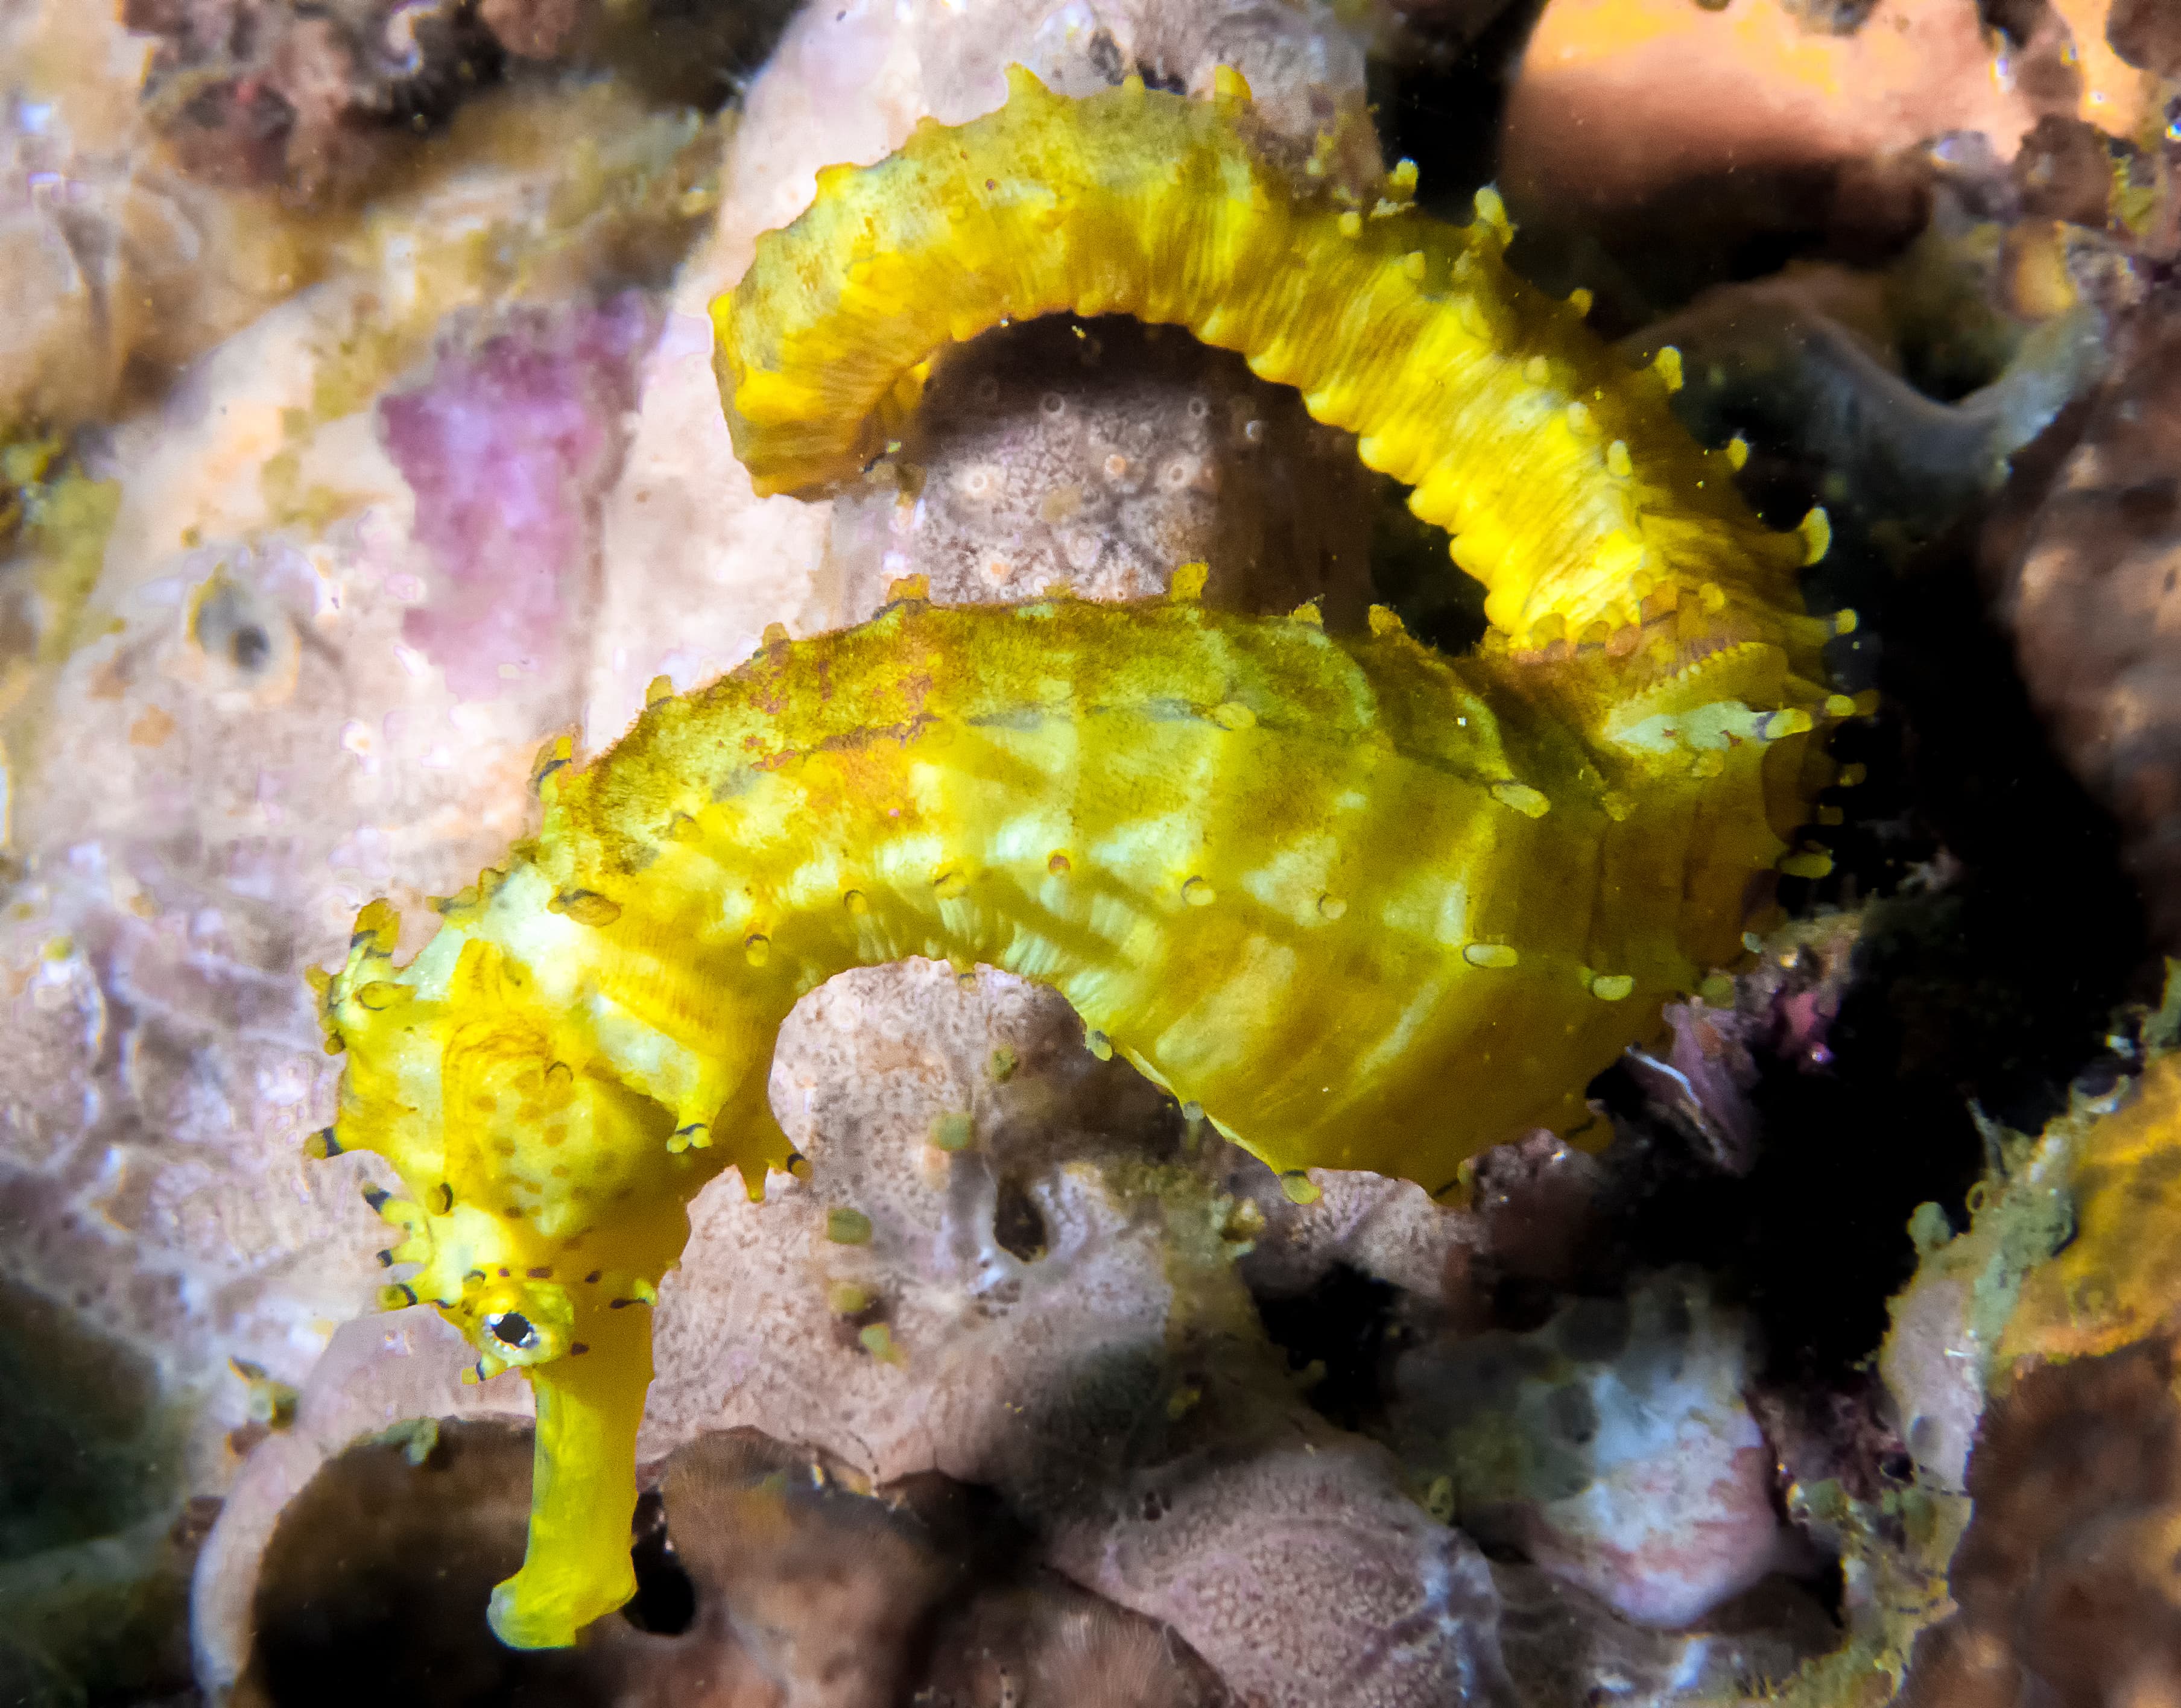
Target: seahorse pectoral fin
582 1492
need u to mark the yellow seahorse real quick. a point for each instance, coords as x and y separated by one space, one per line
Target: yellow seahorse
1368 907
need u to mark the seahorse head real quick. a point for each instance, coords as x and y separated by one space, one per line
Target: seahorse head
540 1188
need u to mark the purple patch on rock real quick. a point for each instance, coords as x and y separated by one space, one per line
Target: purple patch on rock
1784 1008
507 446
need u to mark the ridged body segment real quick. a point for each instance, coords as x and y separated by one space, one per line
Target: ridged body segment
1570 491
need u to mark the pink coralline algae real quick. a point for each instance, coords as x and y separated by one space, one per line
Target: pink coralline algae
1783 1008
507 446
1612 1446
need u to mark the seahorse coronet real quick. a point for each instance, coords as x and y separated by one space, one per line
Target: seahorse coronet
1361 905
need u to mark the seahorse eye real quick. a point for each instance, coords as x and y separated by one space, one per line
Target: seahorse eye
514 1329
529 1322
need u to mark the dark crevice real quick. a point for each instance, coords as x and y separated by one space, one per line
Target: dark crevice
2015 19
666 1601
374 1587
2003 938
1343 1325
1443 110
1018 1225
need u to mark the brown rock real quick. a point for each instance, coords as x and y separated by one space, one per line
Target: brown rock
1724 123
311 100
2084 569
2147 34
811 1590
2065 1579
806 1592
2063 171
532 28
771 1577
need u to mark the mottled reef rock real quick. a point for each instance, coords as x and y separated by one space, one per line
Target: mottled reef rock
273 743
2084 565
1612 1446
1098 456
1023 1282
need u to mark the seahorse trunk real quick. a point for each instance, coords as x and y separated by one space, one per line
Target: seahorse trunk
1291 876
1368 907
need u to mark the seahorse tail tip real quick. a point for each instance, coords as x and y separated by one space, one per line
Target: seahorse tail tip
520 1625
